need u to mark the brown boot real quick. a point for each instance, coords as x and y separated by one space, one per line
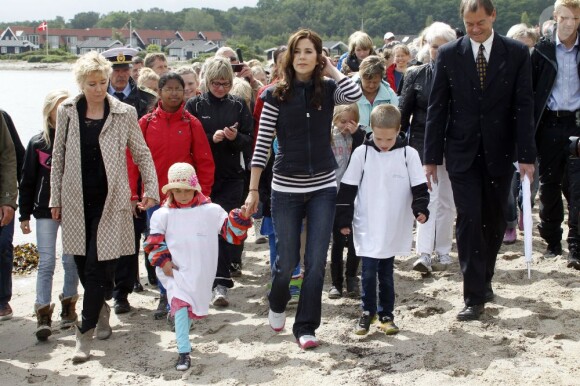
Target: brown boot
43 321
83 346
68 316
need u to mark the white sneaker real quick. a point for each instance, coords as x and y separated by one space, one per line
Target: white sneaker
220 296
445 259
277 320
334 293
442 262
423 263
308 341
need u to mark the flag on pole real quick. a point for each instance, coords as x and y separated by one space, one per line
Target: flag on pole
42 27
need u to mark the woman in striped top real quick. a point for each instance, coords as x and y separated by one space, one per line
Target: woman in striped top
299 110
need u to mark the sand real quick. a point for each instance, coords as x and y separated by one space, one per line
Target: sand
528 335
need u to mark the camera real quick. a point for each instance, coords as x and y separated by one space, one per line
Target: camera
237 67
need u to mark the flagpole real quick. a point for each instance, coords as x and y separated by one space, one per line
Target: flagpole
46 39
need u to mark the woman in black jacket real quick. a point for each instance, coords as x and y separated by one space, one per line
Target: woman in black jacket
34 195
228 124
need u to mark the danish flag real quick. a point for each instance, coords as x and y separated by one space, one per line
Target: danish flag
42 27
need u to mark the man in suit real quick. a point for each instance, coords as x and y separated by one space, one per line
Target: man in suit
480 117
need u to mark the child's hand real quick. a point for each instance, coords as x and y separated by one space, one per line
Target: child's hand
352 126
421 218
168 268
345 231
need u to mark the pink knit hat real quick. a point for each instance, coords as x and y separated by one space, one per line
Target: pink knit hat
181 175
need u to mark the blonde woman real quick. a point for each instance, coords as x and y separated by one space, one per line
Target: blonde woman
148 80
359 47
34 195
90 191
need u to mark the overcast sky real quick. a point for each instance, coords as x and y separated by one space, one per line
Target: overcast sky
46 9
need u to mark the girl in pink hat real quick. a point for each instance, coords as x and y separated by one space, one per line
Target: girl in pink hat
183 247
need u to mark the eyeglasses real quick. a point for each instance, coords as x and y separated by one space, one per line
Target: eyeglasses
219 84
172 90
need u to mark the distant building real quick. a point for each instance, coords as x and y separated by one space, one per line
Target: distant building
185 50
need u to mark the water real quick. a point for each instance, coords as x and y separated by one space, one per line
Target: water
23 94
22 97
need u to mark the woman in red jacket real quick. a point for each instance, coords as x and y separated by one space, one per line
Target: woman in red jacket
174 135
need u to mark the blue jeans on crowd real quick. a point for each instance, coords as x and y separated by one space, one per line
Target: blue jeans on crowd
383 269
288 210
6 258
46 232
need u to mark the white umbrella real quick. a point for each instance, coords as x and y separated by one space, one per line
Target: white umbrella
528 223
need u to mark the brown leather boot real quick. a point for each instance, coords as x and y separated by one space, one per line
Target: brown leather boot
43 321
68 316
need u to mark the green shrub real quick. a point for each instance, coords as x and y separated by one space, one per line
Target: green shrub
34 58
53 59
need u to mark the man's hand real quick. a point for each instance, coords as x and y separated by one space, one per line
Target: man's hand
527 170
6 215
430 174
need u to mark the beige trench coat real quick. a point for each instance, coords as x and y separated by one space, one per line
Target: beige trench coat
115 235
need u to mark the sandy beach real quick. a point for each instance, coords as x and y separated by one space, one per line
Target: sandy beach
528 335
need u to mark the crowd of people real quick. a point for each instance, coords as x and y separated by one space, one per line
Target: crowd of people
314 150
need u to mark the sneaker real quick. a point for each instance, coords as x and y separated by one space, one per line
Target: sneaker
294 294
220 296
352 287
5 311
137 287
364 323
441 262
236 269
161 311
574 257
277 320
334 293
387 325
554 249
510 236
183 362
257 226
423 263
308 341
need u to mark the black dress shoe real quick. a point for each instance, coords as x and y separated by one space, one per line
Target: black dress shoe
554 249
137 287
470 313
573 262
489 295
122 306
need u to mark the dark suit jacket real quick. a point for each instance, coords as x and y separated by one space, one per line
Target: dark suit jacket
460 115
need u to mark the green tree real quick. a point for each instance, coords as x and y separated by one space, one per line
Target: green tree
428 21
84 20
153 48
198 20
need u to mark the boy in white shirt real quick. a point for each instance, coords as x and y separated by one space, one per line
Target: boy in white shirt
386 183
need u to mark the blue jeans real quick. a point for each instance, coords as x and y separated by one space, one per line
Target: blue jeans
46 232
383 269
288 210
6 257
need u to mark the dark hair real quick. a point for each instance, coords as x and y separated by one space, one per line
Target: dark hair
474 5
459 33
279 51
163 79
285 87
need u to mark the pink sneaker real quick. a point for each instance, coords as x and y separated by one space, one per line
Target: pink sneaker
277 320
308 341
510 236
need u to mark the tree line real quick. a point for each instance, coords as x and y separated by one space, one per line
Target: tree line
271 21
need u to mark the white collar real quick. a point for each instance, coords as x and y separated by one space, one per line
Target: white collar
486 44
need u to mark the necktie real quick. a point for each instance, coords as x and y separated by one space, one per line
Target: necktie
481 65
120 96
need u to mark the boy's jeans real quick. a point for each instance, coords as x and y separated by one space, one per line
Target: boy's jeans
6 257
46 232
288 210
383 269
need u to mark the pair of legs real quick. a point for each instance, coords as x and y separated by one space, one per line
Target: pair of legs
97 277
436 235
6 259
46 234
381 269
481 201
339 242
288 212
127 270
559 173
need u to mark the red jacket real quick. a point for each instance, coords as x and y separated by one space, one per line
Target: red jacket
391 76
175 137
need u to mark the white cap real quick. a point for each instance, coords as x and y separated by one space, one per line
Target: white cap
389 35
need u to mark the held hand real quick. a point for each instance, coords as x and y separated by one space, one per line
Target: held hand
527 170
25 227
345 231
218 136
146 203
430 174
168 269
6 215
245 212
421 218
134 208
55 212
251 203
